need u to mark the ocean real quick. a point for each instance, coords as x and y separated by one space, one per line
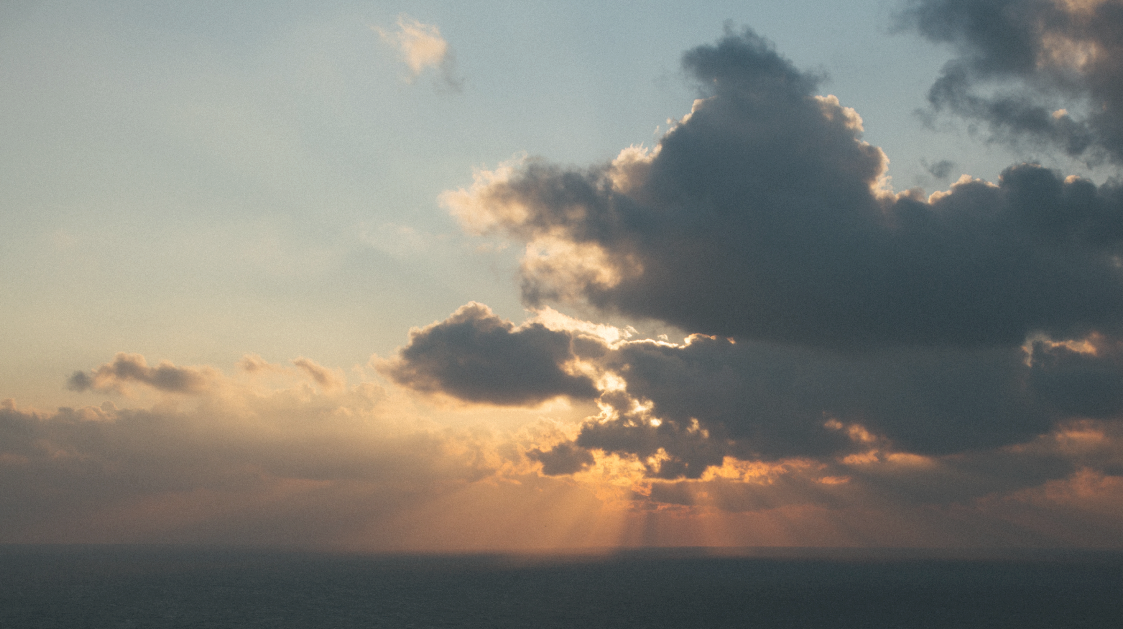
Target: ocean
73 587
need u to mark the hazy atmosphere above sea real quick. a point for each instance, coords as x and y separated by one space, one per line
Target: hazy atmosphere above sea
491 276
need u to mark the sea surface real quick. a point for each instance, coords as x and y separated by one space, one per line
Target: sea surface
75 587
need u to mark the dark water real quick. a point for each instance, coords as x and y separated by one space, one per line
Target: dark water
116 587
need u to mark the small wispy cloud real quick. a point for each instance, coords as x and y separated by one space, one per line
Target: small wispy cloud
252 364
132 368
323 376
422 47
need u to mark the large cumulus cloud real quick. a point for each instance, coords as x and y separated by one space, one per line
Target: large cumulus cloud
833 319
761 215
1051 70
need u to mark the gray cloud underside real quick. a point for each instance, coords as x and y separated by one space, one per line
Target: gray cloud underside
770 402
758 218
1021 60
713 398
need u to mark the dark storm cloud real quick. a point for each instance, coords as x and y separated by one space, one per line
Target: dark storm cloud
127 368
1021 63
477 357
759 216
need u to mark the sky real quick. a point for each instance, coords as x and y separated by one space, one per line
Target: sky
493 276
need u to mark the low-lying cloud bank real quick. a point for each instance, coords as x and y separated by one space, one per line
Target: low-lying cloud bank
233 463
360 467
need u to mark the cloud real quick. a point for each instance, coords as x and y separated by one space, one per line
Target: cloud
683 409
1082 380
836 320
328 379
753 401
882 478
863 367
252 363
357 467
323 376
761 215
477 357
562 459
941 169
127 368
1051 70
246 466
422 47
